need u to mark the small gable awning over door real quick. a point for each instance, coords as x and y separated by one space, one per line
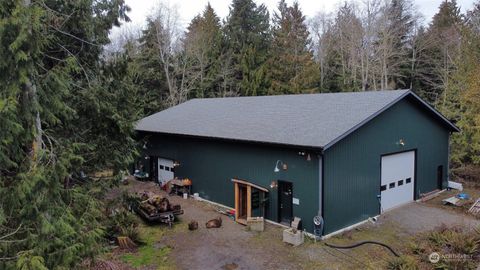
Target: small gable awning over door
250 184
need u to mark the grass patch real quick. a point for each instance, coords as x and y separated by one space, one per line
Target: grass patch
149 255
152 253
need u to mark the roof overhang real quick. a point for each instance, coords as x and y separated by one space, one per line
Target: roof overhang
319 149
272 144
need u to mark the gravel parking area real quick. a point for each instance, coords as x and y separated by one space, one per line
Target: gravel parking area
234 247
419 217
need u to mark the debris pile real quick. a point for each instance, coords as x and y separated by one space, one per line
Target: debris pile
214 223
193 225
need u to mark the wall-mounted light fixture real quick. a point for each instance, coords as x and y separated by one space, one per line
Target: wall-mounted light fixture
277 168
176 163
273 184
401 142
303 154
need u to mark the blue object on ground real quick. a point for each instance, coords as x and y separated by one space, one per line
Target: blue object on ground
463 196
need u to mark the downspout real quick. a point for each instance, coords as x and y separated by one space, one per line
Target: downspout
320 185
448 159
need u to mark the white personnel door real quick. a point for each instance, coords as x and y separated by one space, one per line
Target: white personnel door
165 170
398 178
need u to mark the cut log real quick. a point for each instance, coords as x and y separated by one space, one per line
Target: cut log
214 223
124 242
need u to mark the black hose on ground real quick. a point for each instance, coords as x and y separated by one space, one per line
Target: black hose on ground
363 243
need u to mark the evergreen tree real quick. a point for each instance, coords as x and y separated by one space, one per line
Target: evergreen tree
248 38
203 44
48 64
151 79
291 65
438 61
464 102
399 28
344 54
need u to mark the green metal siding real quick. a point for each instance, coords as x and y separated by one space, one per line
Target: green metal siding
211 164
352 166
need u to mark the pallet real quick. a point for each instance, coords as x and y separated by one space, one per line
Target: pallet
475 209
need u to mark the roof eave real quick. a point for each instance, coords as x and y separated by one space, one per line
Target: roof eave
448 122
317 149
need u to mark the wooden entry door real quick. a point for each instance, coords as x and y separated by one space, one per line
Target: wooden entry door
249 198
242 203
285 202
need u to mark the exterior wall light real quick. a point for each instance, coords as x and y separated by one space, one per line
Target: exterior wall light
176 163
273 184
401 142
277 168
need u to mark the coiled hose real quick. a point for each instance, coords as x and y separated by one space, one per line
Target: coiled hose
363 243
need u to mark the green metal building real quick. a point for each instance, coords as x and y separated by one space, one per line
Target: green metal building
342 156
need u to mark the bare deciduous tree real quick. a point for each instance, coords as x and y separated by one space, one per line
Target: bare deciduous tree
180 75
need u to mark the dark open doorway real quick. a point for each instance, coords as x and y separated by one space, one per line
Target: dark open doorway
285 205
440 177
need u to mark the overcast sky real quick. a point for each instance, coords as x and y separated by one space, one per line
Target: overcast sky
189 8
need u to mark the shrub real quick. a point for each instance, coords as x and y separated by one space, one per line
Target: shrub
404 262
122 223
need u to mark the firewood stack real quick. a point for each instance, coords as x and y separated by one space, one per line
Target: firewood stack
156 204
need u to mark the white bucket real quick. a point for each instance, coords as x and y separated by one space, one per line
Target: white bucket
185 195
196 196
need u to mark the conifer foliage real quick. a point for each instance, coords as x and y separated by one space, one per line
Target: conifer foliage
56 119
292 66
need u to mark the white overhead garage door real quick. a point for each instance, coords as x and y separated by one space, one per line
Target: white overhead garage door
165 170
397 185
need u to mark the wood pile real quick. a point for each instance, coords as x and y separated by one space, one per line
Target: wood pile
155 204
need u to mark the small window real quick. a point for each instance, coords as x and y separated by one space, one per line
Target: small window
383 188
161 167
391 185
167 168
400 183
408 181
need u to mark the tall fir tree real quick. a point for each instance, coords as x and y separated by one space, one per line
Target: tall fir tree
247 32
203 44
151 79
291 65
399 26
438 61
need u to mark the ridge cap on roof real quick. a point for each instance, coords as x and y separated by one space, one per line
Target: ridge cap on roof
302 94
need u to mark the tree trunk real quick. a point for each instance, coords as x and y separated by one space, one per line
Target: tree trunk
31 90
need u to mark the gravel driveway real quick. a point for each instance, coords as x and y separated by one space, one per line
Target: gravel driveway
419 217
231 246
234 247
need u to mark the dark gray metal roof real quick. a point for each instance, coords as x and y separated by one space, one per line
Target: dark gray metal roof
309 120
